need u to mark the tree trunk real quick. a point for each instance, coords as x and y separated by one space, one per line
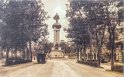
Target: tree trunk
15 53
7 56
78 52
97 50
23 54
84 52
100 45
30 50
27 54
99 56
112 48
81 52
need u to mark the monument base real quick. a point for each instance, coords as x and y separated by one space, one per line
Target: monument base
59 48
56 54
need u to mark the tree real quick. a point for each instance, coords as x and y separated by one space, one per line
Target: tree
78 27
90 17
89 20
64 47
25 21
113 22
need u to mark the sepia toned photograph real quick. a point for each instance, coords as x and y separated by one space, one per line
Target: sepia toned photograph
61 38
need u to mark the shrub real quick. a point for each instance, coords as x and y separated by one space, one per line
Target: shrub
90 62
118 68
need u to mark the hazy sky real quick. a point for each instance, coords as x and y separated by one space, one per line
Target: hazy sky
53 7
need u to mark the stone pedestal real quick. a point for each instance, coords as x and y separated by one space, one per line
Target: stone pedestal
56 54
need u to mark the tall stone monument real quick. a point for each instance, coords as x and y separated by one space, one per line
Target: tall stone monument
56 27
56 52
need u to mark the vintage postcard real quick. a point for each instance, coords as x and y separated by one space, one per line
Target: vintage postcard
61 38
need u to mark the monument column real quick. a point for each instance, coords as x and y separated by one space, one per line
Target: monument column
59 36
55 37
56 27
56 52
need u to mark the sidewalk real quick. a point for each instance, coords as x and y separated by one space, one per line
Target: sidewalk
90 71
15 67
107 66
1 62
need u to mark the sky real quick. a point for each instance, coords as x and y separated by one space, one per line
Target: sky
53 7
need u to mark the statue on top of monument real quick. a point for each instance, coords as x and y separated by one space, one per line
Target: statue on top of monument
56 17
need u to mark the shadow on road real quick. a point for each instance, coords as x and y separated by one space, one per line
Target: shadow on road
13 68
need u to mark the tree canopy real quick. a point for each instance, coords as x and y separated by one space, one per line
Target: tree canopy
24 21
90 19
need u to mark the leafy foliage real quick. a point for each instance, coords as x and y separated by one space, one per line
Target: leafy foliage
89 20
25 20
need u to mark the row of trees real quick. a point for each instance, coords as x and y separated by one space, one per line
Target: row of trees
21 22
89 21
